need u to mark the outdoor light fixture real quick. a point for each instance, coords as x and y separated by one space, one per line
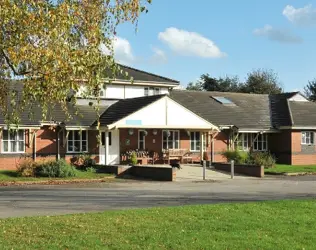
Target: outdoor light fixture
155 132
145 132
131 131
168 133
188 133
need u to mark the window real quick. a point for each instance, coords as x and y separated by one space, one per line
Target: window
13 141
170 139
307 138
195 141
141 139
78 141
151 91
222 100
242 142
260 142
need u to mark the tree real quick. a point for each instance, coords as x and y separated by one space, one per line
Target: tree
262 81
310 90
208 83
53 46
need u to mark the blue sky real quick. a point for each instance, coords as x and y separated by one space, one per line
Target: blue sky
183 39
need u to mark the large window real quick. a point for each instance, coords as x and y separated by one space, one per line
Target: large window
78 141
242 142
170 139
308 138
195 141
141 139
260 142
13 141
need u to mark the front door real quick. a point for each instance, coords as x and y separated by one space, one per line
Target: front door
113 152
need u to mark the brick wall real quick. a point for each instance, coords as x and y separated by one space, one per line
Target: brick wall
302 154
220 145
46 148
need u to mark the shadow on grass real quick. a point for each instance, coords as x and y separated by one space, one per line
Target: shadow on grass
9 173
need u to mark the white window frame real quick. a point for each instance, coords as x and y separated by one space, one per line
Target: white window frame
257 142
17 140
146 91
243 139
143 140
195 141
311 138
156 91
173 139
73 140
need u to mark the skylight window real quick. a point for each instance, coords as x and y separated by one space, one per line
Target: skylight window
223 100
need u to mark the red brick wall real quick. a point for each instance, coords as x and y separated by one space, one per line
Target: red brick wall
46 148
302 154
220 145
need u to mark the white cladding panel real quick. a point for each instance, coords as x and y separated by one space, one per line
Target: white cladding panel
164 112
179 115
298 98
114 91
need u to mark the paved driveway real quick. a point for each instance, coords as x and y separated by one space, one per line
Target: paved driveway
63 199
191 172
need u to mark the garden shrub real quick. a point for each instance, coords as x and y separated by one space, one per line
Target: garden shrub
26 167
59 169
262 159
133 159
86 161
240 157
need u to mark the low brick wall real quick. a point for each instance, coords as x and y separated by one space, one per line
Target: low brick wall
153 173
251 170
117 170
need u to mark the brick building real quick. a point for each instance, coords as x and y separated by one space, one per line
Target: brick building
152 115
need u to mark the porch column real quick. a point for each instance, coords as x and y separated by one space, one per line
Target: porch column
106 145
202 145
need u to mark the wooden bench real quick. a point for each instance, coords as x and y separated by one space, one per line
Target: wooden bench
176 154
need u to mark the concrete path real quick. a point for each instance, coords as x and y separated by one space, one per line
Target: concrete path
191 172
65 199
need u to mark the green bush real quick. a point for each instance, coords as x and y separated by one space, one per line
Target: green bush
133 159
91 170
240 157
26 168
87 161
256 158
262 159
59 169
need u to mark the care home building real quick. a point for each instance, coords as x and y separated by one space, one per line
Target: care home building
152 117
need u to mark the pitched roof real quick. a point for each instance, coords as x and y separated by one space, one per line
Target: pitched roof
125 107
143 76
303 113
249 111
280 111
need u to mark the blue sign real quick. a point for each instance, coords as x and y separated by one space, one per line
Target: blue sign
134 122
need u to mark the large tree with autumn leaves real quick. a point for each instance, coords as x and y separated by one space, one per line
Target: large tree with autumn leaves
52 46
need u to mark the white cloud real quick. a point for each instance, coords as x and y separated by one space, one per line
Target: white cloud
190 43
305 16
122 50
278 35
159 55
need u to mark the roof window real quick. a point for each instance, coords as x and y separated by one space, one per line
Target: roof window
223 100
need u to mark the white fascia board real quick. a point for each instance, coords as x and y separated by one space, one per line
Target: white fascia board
298 127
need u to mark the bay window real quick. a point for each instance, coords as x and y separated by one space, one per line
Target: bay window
170 139
77 141
13 141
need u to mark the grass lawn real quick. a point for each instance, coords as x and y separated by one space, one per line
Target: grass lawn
290 169
264 225
10 175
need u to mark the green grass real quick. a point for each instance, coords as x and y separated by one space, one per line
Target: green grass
262 225
10 175
290 169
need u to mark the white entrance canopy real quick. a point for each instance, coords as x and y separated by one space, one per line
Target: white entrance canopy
164 113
